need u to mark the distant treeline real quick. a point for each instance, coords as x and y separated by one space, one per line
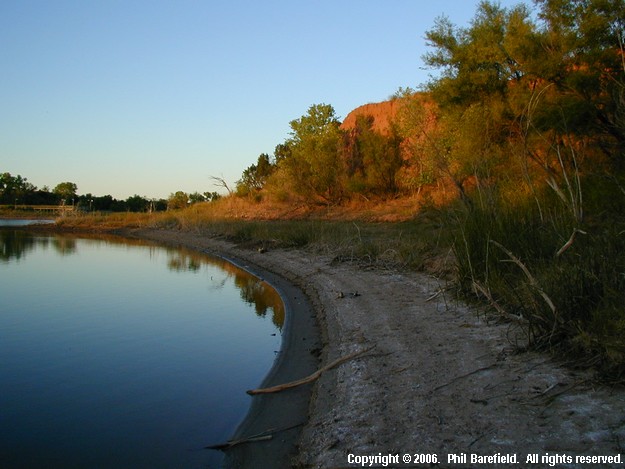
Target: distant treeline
16 192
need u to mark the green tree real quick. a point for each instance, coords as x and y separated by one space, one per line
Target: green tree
281 152
16 188
255 176
66 191
479 62
564 75
481 93
196 197
137 203
584 58
373 159
313 166
211 196
103 203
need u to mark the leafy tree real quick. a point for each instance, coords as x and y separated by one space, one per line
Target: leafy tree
211 196
65 191
373 159
564 75
136 203
585 55
14 188
505 80
160 205
313 165
104 203
255 176
196 197
281 152
480 61
178 200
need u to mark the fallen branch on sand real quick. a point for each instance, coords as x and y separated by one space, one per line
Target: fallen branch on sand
464 376
311 378
231 443
263 436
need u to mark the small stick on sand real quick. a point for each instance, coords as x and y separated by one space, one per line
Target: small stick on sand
263 436
230 444
464 376
311 378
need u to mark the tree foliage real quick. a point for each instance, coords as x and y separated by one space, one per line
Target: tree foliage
572 61
255 176
373 160
66 191
15 188
530 130
313 164
178 200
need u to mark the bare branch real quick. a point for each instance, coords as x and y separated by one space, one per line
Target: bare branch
221 182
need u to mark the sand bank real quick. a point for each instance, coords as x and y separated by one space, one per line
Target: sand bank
442 379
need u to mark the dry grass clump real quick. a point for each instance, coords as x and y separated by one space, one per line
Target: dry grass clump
353 233
97 221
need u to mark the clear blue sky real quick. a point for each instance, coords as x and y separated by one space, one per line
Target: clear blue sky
129 97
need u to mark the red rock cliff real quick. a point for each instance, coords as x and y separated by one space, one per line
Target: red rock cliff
383 114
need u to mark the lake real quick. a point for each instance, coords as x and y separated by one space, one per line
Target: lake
125 354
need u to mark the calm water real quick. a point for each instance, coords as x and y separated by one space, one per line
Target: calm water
22 222
125 355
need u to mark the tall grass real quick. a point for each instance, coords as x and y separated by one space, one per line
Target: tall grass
562 275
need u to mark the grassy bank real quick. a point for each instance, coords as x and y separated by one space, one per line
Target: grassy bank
421 243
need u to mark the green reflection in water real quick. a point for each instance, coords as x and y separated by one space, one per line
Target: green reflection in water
15 245
255 292
132 344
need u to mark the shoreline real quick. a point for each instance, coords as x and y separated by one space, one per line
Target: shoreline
442 380
281 415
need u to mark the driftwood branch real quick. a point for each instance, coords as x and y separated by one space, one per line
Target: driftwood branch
231 443
311 378
262 436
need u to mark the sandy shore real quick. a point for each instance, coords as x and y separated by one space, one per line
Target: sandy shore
441 379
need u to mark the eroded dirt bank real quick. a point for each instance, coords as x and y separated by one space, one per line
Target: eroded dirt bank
439 380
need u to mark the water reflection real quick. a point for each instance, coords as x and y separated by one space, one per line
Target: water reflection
15 245
122 353
255 292
262 296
